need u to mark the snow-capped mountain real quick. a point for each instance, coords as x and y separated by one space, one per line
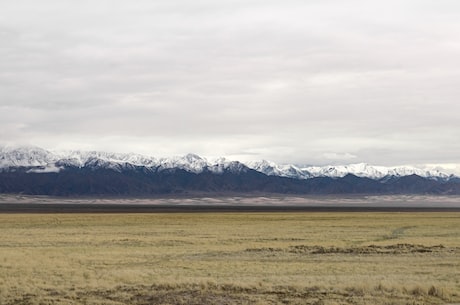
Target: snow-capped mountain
81 158
32 170
373 172
361 170
273 169
40 160
25 157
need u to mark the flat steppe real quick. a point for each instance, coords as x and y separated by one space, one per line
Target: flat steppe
230 258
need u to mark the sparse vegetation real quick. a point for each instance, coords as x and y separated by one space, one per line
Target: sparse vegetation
230 258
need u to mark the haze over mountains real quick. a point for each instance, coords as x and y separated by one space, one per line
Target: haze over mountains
32 170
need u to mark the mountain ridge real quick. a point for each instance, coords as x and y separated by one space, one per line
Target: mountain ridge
38 157
77 173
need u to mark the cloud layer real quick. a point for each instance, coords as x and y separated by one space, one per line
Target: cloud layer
292 81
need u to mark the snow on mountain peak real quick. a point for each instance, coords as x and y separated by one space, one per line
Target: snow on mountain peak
272 169
363 170
39 160
25 157
81 158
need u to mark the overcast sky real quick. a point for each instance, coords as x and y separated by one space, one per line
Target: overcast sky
306 82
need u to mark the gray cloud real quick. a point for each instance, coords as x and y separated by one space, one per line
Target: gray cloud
291 81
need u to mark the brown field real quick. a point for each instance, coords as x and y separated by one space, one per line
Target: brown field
230 258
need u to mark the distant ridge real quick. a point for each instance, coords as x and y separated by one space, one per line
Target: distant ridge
33 170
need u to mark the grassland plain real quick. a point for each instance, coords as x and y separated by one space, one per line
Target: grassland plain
230 258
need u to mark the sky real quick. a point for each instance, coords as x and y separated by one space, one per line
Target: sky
293 81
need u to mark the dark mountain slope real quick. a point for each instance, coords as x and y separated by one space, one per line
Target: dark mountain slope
138 181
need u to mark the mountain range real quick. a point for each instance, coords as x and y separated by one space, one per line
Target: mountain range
36 171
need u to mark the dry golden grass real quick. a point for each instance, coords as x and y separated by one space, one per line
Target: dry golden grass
230 258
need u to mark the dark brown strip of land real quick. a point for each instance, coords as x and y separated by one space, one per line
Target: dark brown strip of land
145 208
